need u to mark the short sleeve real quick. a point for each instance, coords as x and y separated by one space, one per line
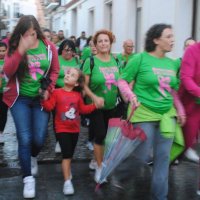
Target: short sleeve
129 73
86 67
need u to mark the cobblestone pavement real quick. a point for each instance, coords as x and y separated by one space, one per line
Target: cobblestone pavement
8 152
131 180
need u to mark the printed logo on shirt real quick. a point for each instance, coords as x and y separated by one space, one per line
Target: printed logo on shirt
109 75
164 79
35 65
70 113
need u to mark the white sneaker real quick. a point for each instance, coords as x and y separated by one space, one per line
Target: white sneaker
68 188
176 162
34 166
29 187
1 139
192 155
93 164
97 174
57 148
90 146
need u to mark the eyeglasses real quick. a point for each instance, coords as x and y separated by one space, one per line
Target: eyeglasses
67 50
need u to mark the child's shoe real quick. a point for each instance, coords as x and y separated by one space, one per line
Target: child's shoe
68 188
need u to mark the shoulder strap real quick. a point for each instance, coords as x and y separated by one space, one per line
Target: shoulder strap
91 63
116 59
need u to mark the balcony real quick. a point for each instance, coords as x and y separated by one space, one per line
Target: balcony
51 5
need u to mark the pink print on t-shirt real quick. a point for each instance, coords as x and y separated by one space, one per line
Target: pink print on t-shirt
34 67
164 85
110 79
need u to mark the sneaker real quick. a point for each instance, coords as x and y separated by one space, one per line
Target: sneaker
90 146
57 148
1 139
29 187
93 164
176 162
68 188
97 174
34 166
192 155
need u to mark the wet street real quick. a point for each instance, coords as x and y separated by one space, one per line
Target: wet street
131 180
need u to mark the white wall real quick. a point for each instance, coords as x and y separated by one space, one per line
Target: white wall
178 13
123 22
197 32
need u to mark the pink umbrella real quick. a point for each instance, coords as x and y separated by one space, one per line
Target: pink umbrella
121 140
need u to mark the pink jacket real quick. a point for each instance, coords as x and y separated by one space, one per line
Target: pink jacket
190 76
11 66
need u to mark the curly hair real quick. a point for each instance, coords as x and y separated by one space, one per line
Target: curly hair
25 23
154 32
106 32
65 43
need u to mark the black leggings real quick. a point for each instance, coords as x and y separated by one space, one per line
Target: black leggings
67 143
99 124
3 113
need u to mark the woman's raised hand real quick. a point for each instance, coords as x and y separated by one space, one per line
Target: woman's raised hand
25 43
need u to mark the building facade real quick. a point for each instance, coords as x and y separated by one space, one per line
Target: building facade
128 19
10 12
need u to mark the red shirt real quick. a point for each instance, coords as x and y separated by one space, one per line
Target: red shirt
68 107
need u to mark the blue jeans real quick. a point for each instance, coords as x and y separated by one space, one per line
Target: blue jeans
31 124
161 158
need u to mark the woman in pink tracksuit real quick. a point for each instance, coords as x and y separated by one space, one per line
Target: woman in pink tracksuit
190 96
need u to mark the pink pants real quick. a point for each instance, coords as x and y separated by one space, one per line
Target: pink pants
192 125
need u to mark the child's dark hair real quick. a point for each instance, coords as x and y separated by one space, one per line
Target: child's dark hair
3 44
80 81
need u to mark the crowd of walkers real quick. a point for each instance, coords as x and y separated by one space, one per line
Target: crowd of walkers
80 80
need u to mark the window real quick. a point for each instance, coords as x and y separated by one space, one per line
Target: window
16 10
108 15
91 22
74 22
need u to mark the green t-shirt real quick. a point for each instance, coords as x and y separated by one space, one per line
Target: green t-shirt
154 80
38 64
123 59
3 84
64 65
103 80
86 53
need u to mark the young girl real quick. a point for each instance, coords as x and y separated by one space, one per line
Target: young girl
68 104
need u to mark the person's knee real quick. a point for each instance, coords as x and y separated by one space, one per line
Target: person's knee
99 140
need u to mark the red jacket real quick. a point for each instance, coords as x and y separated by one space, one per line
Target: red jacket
68 106
11 65
190 77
